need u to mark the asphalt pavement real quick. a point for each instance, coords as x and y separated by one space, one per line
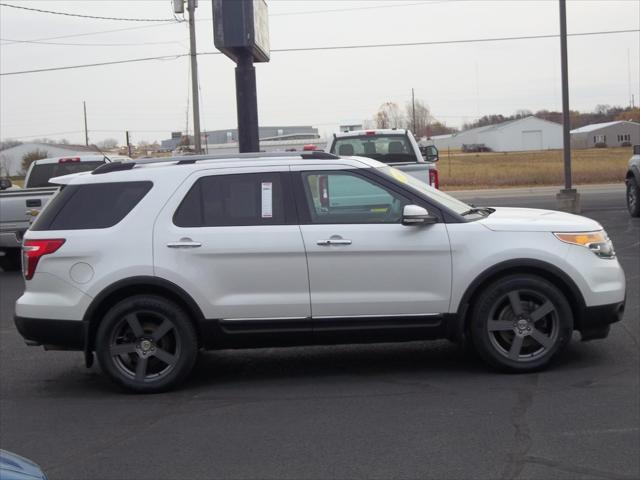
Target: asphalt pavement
413 410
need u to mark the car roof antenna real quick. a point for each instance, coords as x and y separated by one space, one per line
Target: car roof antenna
101 152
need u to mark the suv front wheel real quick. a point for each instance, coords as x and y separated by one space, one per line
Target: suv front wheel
146 344
520 322
633 197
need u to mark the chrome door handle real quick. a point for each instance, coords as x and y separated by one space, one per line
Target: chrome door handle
334 242
184 243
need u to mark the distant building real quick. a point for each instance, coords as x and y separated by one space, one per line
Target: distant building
11 158
524 134
610 134
221 137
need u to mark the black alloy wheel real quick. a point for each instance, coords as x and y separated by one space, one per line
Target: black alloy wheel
520 323
146 344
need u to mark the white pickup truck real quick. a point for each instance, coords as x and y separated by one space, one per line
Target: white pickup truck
19 207
394 146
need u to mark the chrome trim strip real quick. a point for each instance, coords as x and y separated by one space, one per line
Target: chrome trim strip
262 319
394 315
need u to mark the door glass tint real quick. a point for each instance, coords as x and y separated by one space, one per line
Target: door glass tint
384 148
97 205
233 200
341 197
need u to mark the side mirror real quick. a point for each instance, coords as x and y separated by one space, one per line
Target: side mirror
415 215
431 153
5 183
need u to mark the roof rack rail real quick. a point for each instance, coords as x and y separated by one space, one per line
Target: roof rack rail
113 167
191 159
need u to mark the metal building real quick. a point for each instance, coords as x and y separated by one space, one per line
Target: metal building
529 133
621 133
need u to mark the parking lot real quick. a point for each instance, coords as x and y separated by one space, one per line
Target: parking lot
414 410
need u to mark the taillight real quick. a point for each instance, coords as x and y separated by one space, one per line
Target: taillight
309 147
434 179
69 159
32 250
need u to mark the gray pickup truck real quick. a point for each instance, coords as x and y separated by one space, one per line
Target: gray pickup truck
18 207
633 183
394 146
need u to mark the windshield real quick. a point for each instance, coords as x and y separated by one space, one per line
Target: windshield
436 195
384 148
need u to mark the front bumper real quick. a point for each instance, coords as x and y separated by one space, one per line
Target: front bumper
595 321
52 334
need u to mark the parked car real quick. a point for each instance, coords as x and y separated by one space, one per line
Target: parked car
15 467
393 146
147 262
633 183
19 207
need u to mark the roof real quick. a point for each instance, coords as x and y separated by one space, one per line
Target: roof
597 126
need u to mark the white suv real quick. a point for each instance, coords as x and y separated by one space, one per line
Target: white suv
147 262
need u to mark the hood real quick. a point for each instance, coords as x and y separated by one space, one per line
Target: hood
506 219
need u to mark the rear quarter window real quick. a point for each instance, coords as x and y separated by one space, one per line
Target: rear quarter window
90 206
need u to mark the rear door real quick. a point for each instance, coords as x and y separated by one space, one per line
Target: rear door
230 238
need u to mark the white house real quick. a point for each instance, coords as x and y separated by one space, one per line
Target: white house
11 158
621 133
529 133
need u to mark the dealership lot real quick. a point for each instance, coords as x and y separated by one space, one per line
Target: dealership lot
416 410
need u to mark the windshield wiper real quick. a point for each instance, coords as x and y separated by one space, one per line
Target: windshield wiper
483 210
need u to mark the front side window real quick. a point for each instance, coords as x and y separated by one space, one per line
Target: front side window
233 200
342 197
88 206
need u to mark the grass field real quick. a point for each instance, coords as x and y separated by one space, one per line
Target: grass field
522 169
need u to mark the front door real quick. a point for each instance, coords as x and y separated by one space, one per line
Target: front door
362 261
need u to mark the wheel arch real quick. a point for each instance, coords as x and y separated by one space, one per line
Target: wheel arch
539 268
633 172
138 286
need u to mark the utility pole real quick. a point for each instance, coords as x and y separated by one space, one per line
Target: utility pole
86 132
569 198
128 143
191 7
413 107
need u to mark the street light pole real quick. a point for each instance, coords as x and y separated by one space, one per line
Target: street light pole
567 199
191 7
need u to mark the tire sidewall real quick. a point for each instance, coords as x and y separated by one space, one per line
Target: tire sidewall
183 328
632 186
484 304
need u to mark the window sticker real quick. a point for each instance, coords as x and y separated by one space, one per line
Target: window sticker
267 199
398 175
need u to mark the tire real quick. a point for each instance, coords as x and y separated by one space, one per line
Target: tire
11 260
633 197
519 323
146 344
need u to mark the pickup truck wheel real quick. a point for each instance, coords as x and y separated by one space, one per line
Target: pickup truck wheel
633 197
10 261
146 344
520 323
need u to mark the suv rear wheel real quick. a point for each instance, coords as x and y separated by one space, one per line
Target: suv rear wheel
633 197
520 322
146 344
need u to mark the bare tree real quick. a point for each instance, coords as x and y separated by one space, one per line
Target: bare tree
108 144
9 143
389 116
423 118
30 157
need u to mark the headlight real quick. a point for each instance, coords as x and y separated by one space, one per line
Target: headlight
598 242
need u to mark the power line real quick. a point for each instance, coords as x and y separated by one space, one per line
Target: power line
337 47
38 42
93 17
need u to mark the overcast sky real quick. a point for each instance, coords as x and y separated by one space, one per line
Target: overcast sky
459 82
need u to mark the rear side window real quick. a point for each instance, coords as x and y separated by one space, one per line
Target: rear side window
40 174
98 205
233 200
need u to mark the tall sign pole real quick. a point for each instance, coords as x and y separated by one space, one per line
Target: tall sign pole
191 7
241 32
569 198
86 132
